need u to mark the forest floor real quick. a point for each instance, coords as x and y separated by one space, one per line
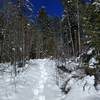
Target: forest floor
38 82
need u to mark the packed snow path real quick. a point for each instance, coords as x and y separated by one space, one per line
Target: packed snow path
46 88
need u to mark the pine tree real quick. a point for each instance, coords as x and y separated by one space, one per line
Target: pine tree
91 23
71 28
43 26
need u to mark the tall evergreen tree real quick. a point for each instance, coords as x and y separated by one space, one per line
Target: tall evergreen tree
71 27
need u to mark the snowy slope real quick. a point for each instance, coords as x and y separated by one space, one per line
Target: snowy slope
38 83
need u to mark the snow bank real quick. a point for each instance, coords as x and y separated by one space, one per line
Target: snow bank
83 90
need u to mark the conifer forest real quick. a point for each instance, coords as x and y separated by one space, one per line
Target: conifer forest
49 57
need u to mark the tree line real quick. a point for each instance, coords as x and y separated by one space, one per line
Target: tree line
22 39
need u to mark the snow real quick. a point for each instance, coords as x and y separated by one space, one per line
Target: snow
79 93
96 3
90 51
38 82
98 87
88 42
35 83
93 62
69 64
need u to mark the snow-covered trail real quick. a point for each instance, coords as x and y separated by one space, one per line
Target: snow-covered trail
47 88
36 83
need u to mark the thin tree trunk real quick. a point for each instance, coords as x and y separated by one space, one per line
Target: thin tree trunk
78 19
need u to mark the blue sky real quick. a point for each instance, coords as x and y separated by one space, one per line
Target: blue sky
53 7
